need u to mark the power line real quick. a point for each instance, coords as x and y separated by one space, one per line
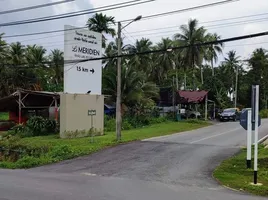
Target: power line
212 21
79 13
161 50
156 34
184 10
35 7
62 30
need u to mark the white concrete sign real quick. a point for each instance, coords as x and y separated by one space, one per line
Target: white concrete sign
82 77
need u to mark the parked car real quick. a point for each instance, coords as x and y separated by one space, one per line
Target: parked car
228 114
192 114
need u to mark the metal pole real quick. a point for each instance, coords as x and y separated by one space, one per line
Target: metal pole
214 114
249 135
118 97
173 97
256 135
56 109
19 107
185 81
206 108
236 83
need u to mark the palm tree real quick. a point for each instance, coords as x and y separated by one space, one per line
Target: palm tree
141 62
102 24
56 57
190 35
3 46
16 54
135 88
231 68
36 55
213 50
163 62
111 51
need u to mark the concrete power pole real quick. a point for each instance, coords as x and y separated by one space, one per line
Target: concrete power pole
118 97
236 83
119 69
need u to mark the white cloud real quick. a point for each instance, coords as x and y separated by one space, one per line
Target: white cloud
50 41
231 10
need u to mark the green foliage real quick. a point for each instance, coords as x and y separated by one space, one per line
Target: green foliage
264 113
41 126
132 121
61 152
36 151
35 126
233 173
3 116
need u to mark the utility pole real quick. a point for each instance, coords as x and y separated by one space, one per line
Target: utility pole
118 97
119 69
236 83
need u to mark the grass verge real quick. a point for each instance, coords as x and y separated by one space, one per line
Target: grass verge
3 116
36 151
233 173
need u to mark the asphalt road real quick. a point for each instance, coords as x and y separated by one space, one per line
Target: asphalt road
172 167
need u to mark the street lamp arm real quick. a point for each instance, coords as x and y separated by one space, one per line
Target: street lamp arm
134 20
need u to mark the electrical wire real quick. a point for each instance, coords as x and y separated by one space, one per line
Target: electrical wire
243 37
35 7
78 13
184 10
62 30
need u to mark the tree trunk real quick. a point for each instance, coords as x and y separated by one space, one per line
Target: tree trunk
185 81
212 68
202 78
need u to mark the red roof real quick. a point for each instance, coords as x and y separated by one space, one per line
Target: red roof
192 96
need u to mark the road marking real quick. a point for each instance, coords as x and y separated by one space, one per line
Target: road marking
214 136
179 133
89 174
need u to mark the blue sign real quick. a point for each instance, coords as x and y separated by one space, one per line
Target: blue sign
244 120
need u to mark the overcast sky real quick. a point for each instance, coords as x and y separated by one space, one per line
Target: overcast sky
231 10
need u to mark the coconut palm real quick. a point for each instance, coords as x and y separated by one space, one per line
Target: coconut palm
165 61
3 47
135 87
231 65
102 24
190 35
16 54
56 57
213 50
141 62
36 55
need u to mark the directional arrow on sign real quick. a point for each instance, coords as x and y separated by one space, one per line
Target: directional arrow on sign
92 71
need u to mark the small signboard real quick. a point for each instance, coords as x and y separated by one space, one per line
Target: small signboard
91 112
244 120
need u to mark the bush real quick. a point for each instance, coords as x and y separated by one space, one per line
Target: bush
37 125
61 152
109 124
27 162
264 113
130 122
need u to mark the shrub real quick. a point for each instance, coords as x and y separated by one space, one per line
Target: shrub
61 152
27 162
36 124
40 126
109 123
264 113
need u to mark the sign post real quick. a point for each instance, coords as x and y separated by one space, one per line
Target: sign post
249 142
256 123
